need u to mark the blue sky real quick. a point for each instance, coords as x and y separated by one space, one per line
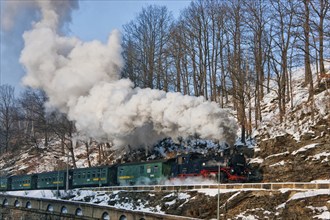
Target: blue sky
94 20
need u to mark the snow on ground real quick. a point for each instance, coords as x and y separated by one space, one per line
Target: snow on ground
325 215
305 148
310 193
198 180
321 181
319 156
47 194
256 160
303 195
233 196
244 216
214 192
180 196
281 163
276 155
248 217
323 210
297 120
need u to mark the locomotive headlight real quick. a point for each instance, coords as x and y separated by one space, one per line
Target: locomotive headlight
232 171
203 164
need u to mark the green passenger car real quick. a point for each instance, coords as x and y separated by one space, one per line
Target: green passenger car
94 176
155 172
24 182
4 183
52 180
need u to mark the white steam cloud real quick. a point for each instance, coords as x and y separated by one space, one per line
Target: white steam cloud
82 79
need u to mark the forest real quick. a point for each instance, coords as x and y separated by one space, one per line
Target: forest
230 52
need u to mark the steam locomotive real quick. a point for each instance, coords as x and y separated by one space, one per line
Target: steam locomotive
235 169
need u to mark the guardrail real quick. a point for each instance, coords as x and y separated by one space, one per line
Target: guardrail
266 186
77 210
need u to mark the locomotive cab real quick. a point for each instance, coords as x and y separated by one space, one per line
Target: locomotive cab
186 165
195 165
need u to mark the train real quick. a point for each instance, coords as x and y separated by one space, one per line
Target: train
156 172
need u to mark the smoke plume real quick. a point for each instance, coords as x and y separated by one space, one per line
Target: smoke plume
82 79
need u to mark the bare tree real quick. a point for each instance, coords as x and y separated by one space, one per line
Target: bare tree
37 121
256 21
238 75
195 21
321 8
145 44
178 53
280 42
221 20
64 130
8 110
307 61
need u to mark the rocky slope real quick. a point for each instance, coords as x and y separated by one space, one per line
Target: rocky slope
299 148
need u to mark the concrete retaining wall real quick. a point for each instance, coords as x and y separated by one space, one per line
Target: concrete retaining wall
80 210
77 210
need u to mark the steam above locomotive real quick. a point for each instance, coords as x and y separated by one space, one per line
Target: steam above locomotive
83 80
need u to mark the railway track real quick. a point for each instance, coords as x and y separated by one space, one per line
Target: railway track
257 186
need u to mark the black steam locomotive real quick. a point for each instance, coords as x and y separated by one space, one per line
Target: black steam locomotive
223 169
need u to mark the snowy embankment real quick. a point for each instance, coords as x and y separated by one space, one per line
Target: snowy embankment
297 120
165 202
318 212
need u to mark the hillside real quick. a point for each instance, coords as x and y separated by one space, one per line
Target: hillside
299 148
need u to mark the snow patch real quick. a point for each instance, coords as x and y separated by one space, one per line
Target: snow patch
281 163
318 157
320 181
257 160
324 212
310 193
305 148
214 192
276 155
281 206
325 215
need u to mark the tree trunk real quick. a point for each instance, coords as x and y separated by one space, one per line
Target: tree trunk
71 148
308 70
87 154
